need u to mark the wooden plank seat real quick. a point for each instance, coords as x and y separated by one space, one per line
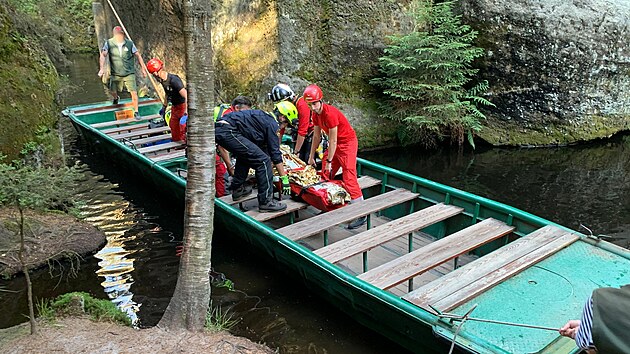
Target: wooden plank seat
469 281
367 182
325 221
161 147
143 132
169 156
118 123
151 139
436 253
377 236
364 182
292 206
114 107
125 129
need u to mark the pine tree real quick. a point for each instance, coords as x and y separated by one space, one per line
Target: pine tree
426 76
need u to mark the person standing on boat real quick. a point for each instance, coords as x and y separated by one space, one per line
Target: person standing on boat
605 323
343 145
304 139
252 137
223 161
176 94
122 55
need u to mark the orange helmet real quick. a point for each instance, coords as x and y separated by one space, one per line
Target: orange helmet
154 65
313 93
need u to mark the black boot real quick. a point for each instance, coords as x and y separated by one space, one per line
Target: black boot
272 207
357 223
241 192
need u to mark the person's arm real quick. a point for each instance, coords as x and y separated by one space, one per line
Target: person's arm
184 94
272 142
225 156
317 139
332 146
140 60
298 144
103 58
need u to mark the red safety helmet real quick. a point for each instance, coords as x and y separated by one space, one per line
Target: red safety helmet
313 93
154 65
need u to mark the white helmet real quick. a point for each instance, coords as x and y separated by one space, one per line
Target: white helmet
281 92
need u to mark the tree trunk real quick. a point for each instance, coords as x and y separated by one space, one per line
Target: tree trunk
27 276
188 307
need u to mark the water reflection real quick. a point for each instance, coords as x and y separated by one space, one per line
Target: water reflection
587 184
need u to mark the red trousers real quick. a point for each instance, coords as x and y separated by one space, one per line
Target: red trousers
346 159
177 132
219 182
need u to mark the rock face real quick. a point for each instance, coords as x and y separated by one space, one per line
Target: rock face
559 70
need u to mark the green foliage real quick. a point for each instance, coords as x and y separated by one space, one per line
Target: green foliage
97 309
37 188
217 320
427 75
45 311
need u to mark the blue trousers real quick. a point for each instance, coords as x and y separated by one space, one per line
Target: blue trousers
248 155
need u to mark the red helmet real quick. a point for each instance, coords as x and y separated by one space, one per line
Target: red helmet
313 93
154 65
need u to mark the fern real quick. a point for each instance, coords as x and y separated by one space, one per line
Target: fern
425 76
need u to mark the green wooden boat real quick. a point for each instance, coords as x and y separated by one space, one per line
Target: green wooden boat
428 249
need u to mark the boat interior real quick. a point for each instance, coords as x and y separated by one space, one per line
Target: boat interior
434 249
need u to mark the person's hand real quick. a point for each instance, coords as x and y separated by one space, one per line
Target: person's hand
311 161
286 187
163 111
570 329
184 119
143 74
230 170
328 170
101 73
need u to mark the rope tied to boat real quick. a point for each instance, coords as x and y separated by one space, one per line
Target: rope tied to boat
467 317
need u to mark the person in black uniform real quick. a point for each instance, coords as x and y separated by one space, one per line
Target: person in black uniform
252 137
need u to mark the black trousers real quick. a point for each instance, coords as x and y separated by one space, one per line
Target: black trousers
248 155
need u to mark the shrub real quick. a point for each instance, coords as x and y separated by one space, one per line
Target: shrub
426 76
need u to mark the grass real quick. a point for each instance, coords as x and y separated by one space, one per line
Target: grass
66 305
218 321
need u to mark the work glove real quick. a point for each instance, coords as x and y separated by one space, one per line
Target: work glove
163 111
286 188
183 120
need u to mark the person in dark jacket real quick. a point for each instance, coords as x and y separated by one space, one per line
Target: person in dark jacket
252 137
605 323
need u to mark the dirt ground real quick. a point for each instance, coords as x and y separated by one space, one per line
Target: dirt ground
82 335
48 235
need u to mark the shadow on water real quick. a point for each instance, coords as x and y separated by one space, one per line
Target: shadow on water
137 269
588 184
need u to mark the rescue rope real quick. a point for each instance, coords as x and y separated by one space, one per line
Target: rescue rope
466 317
142 64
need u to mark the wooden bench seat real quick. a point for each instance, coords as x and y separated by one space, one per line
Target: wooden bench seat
161 147
143 132
125 129
169 156
292 206
432 255
367 182
325 221
469 281
151 139
370 239
118 123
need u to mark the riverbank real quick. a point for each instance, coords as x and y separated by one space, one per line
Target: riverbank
49 237
83 335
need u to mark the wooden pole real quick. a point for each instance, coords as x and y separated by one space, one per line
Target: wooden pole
144 66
